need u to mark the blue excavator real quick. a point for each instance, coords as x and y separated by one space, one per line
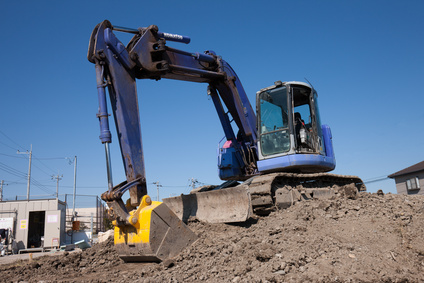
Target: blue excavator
271 158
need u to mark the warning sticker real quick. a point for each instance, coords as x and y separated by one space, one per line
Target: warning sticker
24 224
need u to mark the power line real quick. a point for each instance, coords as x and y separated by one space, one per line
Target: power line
8 146
19 174
39 160
36 158
372 178
35 183
52 158
12 171
174 186
41 187
43 170
91 187
13 182
376 180
8 155
11 140
6 168
52 186
80 187
169 186
187 186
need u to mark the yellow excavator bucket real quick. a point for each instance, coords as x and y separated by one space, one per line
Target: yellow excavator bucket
155 233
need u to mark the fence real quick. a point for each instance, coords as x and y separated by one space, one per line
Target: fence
90 211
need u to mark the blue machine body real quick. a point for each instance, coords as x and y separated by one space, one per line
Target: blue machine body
303 162
228 164
229 167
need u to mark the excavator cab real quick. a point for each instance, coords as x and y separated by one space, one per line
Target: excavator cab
290 135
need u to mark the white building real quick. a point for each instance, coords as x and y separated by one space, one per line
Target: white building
35 224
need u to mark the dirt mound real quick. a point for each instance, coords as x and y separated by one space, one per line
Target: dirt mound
373 238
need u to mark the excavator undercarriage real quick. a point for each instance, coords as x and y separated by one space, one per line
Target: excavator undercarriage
260 195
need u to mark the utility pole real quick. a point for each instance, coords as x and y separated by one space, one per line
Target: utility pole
157 187
58 178
75 185
29 169
74 195
1 189
193 183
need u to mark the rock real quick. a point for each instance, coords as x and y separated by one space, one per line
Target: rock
168 263
280 272
236 279
35 265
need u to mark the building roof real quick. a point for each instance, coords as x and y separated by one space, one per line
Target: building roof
411 169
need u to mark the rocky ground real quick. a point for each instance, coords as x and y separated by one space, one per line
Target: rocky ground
375 238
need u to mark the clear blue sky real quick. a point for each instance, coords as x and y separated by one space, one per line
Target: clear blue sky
365 58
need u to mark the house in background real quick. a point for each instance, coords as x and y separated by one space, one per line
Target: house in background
410 180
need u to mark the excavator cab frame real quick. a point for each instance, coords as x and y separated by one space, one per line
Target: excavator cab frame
285 142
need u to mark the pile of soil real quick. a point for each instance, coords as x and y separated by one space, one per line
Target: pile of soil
373 238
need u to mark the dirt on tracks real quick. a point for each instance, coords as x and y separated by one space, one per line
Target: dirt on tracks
375 238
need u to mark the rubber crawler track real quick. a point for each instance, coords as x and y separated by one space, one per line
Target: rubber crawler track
262 188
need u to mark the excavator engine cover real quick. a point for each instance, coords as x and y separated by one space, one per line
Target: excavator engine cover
156 234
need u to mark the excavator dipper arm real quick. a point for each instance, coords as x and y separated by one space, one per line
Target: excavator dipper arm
147 57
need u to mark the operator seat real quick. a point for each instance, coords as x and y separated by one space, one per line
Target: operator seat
298 124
